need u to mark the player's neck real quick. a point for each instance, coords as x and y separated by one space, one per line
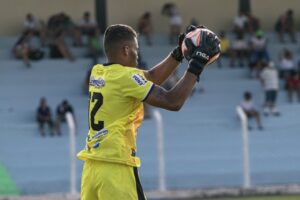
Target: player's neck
117 61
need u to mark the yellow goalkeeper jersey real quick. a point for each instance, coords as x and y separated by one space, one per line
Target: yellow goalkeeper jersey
115 113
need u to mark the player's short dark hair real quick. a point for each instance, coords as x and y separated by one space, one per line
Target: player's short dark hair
117 34
65 102
247 95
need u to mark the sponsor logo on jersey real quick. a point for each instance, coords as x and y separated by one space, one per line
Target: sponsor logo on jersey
139 79
96 145
98 83
203 55
100 133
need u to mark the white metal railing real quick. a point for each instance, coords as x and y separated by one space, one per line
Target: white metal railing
245 146
72 134
160 150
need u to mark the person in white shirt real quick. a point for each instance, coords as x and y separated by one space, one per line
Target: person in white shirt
175 26
87 24
258 48
269 80
250 110
240 49
287 63
175 22
240 23
32 25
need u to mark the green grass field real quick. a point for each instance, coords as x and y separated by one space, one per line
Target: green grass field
290 197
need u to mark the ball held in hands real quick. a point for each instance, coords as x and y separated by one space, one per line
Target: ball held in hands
201 44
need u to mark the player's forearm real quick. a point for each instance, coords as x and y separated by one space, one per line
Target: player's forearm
182 90
174 98
160 72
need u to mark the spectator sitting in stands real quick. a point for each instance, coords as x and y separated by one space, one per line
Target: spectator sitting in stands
145 27
250 110
58 22
269 80
59 48
239 50
258 49
94 46
240 23
253 23
225 48
175 26
286 24
61 111
62 22
175 20
287 63
293 85
86 27
23 50
31 24
43 115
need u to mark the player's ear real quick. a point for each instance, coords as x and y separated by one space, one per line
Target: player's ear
126 50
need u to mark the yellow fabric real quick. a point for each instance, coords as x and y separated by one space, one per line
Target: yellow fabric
116 95
108 181
225 45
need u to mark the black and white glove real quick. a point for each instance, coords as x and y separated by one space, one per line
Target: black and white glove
206 53
177 52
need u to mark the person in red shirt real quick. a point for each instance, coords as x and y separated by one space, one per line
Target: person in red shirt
293 85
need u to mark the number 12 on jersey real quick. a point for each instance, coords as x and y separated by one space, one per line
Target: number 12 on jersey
96 98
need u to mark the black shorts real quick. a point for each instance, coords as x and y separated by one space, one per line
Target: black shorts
271 96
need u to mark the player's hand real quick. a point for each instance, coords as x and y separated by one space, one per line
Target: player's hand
177 53
206 53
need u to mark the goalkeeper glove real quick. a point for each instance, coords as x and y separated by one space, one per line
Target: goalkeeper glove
206 53
177 52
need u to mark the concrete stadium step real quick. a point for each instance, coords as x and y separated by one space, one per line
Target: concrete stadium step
275 50
202 141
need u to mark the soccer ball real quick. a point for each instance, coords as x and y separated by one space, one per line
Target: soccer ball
192 41
194 38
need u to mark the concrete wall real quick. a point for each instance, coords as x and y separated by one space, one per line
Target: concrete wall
12 12
269 10
216 14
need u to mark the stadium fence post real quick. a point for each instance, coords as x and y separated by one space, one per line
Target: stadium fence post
160 150
245 146
72 134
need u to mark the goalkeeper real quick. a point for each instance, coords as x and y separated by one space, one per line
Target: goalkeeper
117 91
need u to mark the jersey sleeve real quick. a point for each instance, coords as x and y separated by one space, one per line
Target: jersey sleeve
136 85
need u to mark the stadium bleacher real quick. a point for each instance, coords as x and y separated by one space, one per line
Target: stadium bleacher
202 141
